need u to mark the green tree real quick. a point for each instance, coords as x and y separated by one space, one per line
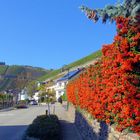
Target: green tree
46 96
32 88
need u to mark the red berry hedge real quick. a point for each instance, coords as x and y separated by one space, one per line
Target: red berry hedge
110 89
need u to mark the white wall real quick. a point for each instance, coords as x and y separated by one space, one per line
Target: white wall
59 93
24 97
60 88
36 96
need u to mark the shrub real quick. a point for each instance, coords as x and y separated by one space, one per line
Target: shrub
110 89
64 97
44 127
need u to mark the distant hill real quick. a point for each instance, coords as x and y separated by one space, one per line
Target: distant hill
79 63
3 69
17 77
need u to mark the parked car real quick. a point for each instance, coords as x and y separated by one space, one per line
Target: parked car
33 102
21 104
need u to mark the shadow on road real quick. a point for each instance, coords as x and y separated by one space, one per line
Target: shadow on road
69 131
12 132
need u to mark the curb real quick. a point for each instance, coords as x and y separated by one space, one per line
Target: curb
7 109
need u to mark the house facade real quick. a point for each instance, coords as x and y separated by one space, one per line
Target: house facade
60 85
36 96
60 88
23 95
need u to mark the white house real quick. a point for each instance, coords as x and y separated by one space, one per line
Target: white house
60 86
36 96
23 95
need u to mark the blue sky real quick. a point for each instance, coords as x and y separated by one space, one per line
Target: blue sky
48 33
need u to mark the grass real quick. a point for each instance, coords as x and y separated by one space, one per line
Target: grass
50 75
86 59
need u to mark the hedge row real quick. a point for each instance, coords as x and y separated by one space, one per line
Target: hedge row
110 89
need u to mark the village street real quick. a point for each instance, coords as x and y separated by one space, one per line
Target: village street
13 123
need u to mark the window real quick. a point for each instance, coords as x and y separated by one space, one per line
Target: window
60 84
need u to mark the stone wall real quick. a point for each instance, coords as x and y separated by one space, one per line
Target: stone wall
91 129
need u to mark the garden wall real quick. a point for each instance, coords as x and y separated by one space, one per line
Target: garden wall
95 130
91 129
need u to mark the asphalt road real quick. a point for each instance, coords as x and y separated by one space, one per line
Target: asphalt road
14 123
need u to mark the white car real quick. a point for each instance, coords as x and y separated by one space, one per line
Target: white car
33 102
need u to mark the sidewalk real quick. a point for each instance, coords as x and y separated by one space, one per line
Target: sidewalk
7 109
69 130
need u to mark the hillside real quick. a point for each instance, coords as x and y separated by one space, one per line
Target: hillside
3 69
16 77
79 63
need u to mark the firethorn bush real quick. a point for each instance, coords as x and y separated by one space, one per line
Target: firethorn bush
110 89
